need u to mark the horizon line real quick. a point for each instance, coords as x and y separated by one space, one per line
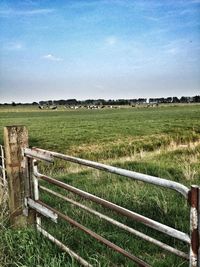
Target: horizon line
96 99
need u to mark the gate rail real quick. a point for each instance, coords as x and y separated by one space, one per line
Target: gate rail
191 195
3 182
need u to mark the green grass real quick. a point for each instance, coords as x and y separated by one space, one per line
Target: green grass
101 134
144 140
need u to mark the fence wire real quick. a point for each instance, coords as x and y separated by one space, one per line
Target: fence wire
3 189
2 168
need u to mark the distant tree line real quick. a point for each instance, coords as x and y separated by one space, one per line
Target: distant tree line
74 102
112 102
183 99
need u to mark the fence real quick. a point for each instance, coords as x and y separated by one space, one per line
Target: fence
3 186
27 208
2 168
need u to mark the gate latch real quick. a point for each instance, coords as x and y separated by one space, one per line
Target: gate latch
41 209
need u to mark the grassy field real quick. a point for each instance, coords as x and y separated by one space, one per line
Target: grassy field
163 141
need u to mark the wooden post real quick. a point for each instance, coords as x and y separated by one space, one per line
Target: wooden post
194 200
15 139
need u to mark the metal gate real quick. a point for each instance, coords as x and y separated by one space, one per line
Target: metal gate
3 182
192 196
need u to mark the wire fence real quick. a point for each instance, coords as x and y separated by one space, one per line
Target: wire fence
3 181
3 189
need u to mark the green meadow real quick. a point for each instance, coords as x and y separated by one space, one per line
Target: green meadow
162 141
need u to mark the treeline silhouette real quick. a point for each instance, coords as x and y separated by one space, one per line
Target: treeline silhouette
119 102
74 102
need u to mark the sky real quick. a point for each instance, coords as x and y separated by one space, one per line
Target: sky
90 49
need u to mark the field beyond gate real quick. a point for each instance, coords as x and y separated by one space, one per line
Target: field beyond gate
177 159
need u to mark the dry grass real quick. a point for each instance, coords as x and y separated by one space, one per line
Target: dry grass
189 172
3 205
150 154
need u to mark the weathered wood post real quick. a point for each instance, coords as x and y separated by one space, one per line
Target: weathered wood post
194 201
18 173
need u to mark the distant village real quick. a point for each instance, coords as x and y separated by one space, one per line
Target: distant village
102 103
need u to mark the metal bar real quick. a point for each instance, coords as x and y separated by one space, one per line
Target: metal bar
63 247
42 209
42 155
35 180
45 233
194 225
135 216
3 166
97 237
120 225
131 174
36 190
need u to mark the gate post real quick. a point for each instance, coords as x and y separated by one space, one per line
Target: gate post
194 200
18 175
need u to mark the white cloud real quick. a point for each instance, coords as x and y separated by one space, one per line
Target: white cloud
111 40
152 18
15 46
41 11
180 47
26 12
195 2
52 58
173 51
84 4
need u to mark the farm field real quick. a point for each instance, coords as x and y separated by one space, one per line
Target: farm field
163 141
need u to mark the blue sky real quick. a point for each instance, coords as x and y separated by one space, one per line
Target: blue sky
98 49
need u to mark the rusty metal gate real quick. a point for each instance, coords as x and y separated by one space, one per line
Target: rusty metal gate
191 195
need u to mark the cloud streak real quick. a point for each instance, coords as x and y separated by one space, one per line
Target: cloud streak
50 57
195 2
9 12
13 46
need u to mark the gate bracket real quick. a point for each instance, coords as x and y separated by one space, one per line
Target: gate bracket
42 210
38 154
